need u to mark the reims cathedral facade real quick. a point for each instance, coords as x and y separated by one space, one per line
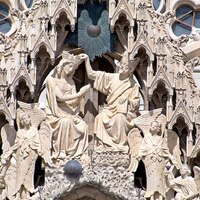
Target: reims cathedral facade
99 99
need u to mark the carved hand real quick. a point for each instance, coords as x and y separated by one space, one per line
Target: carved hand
83 56
121 100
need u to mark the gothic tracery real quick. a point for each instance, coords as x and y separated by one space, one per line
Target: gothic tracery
101 89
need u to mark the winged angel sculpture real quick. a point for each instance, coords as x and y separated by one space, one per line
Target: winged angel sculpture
185 186
21 150
155 149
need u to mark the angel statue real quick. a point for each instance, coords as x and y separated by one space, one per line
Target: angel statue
143 122
113 123
69 131
184 185
21 157
153 150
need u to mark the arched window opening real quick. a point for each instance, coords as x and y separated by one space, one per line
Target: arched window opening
43 63
140 176
121 29
23 92
103 65
39 173
187 18
5 23
61 25
140 74
159 98
181 128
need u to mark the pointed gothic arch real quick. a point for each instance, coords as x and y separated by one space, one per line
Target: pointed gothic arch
22 78
42 44
121 27
182 129
160 97
44 66
22 91
141 73
89 192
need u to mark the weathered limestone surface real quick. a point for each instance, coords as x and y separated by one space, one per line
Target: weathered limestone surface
98 100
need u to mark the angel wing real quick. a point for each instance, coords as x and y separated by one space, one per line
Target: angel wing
197 177
173 144
45 134
8 135
144 121
134 141
196 149
36 114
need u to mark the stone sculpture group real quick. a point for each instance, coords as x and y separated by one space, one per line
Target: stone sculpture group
58 134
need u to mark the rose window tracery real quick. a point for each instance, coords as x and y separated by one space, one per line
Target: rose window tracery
5 23
187 19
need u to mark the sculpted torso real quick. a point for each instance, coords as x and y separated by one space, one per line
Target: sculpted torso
65 86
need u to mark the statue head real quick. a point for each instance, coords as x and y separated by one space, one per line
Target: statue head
24 119
155 128
127 66
185 170
69 63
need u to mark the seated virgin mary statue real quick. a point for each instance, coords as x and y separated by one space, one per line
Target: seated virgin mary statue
70 132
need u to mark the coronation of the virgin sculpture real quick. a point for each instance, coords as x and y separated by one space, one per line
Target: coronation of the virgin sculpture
99 99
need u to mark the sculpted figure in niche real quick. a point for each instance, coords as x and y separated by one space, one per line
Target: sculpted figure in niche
69 131
184 185
154 153
113 123
19 177
20 152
